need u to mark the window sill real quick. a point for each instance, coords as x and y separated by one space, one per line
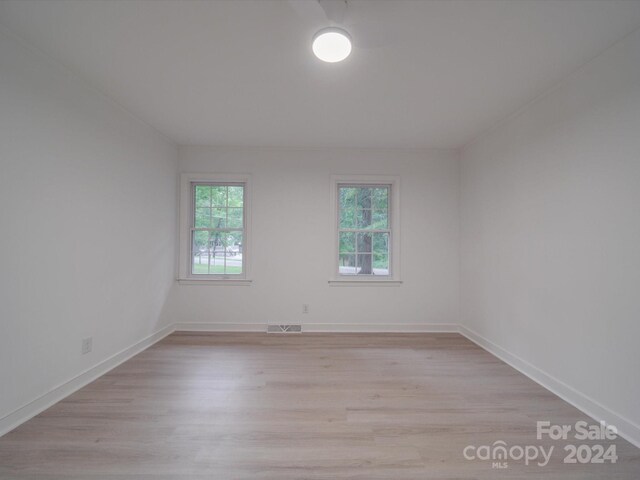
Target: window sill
347 282
239 282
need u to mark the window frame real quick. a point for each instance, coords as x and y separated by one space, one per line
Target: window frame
393 212
188 181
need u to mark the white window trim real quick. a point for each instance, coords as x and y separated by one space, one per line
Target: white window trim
185 277
335 279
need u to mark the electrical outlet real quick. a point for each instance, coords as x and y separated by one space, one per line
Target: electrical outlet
305 308
87 345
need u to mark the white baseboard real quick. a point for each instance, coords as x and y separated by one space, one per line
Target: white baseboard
323 327
626 428
219 327
380 327
33 408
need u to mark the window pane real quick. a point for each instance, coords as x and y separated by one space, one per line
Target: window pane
363 242
203 196
381 243
347 215
380 220
363 264
219 219
233 253
200 253
219 196
234 218
238 243
203 218
380 198
347 207
347 242
348 195
347 264
217 257
236 196
363 219
381 254
216 243
380 264
364 197
221 254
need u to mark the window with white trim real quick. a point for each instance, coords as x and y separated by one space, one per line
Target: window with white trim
363 229
217 229
366 229
214 227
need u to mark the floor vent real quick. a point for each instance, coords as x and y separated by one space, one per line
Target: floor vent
284 328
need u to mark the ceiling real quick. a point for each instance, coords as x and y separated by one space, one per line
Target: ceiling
241 72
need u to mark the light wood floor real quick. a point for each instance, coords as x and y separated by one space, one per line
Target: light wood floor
313 406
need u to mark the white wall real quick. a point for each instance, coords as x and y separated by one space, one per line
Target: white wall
550 236
292 241
87 227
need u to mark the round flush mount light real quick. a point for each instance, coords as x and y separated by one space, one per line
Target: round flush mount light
331 44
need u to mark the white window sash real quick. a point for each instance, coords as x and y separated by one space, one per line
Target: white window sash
187 227
393 230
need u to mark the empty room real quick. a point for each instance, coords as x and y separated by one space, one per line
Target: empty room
319 239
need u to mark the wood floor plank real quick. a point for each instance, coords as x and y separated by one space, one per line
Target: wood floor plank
310 406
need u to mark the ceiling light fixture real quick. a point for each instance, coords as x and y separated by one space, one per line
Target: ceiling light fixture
331 44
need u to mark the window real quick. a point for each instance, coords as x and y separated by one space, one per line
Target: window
366 233
217 229
214 227
363 229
